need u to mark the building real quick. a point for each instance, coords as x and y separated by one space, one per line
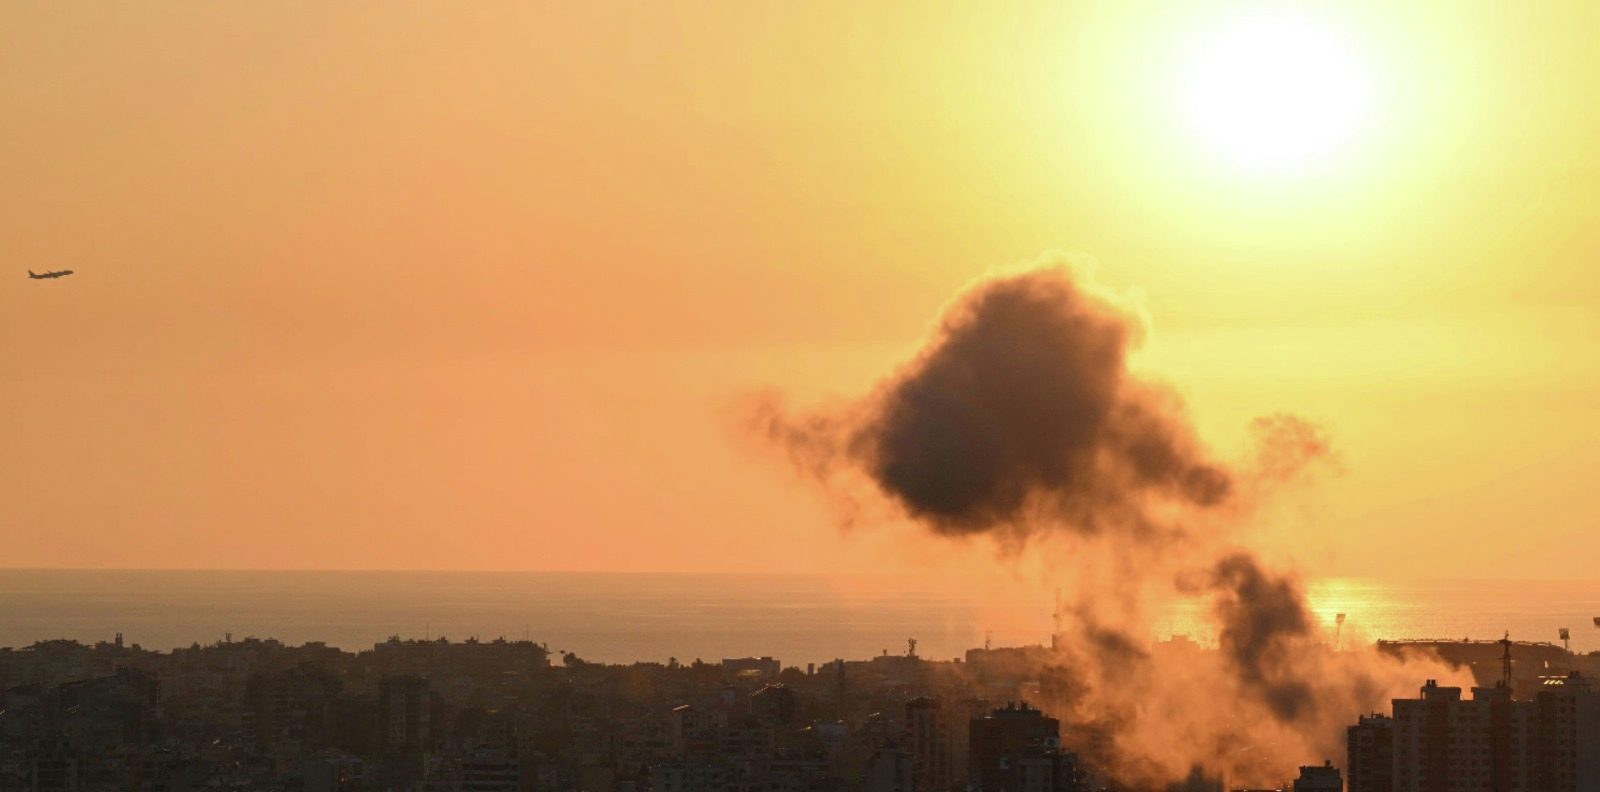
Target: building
962 713
928 736
490 770
1566 734
1319 779
1017 749
690 777
1370 762
1444 743
755 669
404 725
439 658
52 767
888 770
1488 743
693 731
774 704
291 710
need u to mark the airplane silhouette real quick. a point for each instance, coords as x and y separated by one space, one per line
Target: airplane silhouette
43 275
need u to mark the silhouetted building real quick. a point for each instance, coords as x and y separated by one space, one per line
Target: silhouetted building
1566 755
120 709
52 767
774 704
690 777
404 725
440 658
756 669
1489 743
1446 744
491 771
1319 779
293 709
1017 748
928 736
693 731
1370 762
888 770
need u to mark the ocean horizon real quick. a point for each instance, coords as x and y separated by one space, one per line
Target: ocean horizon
622 617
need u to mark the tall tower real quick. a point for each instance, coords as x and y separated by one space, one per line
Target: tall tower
1505 660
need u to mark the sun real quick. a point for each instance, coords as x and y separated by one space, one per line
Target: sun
1275 93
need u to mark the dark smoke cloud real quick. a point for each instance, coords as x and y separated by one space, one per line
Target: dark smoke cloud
1262 620
1020 413
1020 420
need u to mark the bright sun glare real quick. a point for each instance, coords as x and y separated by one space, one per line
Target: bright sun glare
1275 93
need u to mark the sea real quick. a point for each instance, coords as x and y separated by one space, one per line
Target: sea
628 617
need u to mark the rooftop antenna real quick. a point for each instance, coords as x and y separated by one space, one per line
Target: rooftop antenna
1338 632
1566 639
988 639
1505 661
911 647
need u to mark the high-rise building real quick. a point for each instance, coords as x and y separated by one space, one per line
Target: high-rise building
1444 743
962 713
404 710
1566 734
1370 763
928 736
1017 748
1489 743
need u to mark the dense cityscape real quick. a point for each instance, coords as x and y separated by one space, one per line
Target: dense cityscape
500 715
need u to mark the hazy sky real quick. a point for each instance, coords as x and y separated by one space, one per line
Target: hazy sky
444 285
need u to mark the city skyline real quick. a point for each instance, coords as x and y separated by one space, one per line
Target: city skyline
1150 396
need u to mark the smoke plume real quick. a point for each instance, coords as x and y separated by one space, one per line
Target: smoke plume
1021 421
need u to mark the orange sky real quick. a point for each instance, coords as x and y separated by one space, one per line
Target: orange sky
438 285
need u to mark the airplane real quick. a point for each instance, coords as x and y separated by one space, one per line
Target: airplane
43 275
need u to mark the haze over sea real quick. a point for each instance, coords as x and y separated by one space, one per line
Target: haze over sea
619 618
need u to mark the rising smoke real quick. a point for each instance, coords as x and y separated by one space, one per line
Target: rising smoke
1021 421
1020 417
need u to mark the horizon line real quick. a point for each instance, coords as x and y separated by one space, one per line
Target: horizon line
702 573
